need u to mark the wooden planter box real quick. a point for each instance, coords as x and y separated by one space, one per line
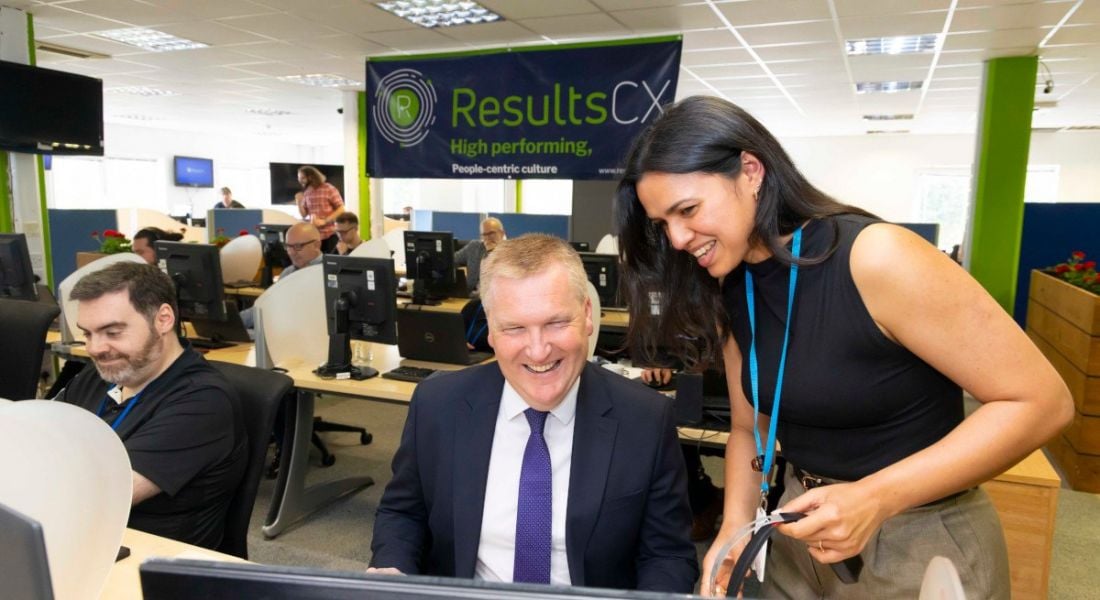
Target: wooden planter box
1064 322
83 258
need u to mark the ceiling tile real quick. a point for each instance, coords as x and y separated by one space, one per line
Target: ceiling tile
213 9
418 39
356 18
500 33
211 33
611 5
1008 38
278 26
676 18
575 26
798 51
63 18
528 9
132 12
708 40
765 12
893 25
1012 16
887 8
809 32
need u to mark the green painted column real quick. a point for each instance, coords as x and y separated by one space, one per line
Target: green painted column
361 170
1000 171
7 222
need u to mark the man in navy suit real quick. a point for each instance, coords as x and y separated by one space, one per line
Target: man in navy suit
540 467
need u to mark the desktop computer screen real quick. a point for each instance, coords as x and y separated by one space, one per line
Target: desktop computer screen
16 274
182 579
603 272
430 261
273 241
360 304
25 568
200 293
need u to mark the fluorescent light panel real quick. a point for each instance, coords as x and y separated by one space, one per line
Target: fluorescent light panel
150 39
886 87
902 44
440 13
898 117
141 90
326 80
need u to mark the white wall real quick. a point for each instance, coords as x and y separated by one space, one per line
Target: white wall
240 163
879 172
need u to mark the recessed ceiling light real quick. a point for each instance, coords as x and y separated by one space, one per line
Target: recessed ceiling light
327 80
268 112
902 44
900 117
886 87
440 13
150 39
141 90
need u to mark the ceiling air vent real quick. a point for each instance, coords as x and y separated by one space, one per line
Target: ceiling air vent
67 50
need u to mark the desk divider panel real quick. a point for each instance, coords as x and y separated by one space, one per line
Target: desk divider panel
516 224
71 232
232 221
464 226
1050 233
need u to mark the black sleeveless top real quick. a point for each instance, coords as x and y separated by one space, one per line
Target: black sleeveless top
853 400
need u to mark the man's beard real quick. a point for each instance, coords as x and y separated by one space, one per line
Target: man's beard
131 369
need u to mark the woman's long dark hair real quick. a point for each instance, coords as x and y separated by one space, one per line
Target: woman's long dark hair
151 235
702 134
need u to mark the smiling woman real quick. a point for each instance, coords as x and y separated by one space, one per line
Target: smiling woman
868 361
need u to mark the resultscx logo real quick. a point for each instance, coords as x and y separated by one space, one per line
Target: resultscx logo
404 107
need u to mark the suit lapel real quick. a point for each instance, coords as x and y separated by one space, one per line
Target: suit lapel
475 424
593 441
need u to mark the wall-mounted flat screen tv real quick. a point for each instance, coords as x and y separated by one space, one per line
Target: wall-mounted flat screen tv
46 111
194 172
284 180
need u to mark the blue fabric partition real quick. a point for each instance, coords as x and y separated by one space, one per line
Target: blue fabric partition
928 231
516 225
464 226
232 221
1051 232
71 232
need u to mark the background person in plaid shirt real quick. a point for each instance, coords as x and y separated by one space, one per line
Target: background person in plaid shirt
320 203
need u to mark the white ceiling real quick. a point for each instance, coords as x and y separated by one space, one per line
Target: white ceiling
783 60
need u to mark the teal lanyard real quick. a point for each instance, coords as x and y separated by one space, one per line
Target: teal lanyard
768 454
129 406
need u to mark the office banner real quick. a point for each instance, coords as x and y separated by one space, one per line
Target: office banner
560 112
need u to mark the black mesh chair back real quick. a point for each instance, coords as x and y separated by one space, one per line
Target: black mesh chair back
260 393
23 326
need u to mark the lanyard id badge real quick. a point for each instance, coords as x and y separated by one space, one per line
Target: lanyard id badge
125 411
765 455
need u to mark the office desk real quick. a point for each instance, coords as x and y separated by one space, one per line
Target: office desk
246 292
614 320
124 582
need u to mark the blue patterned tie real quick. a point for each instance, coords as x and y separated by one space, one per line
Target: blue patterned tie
533 516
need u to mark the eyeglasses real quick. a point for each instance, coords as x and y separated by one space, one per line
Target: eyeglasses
300 247
345 231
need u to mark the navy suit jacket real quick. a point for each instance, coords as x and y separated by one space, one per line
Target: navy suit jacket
628 521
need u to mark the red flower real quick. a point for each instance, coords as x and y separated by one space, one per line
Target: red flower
95 234
1061 268
1090 264
111 233
1078 255
1078 267
242 232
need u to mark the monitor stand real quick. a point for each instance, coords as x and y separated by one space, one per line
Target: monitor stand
339 361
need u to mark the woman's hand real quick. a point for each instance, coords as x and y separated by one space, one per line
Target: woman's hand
839 521
659 375
725 569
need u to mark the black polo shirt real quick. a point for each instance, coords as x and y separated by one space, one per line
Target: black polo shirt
184 433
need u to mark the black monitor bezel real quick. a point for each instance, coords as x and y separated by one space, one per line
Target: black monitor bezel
385 280
176 171
211 274
610 299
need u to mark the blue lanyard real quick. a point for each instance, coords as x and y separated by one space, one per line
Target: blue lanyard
129 406
473 322
754 376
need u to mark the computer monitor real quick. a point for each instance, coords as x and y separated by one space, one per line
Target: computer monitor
182 579
603 272
190 171
16 274
24 566
273 240
196 270
360 303
581 246
430 262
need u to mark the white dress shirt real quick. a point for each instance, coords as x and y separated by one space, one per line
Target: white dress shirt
496 550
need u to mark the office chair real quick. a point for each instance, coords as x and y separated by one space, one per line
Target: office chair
23 326
261 392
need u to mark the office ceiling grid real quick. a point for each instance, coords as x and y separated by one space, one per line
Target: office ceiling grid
783 60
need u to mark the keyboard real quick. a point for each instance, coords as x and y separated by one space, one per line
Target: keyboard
413 374
204 344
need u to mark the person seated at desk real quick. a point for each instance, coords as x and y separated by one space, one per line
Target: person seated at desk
347 229
471 255
227 200
145 238
303 245
539 467
178 418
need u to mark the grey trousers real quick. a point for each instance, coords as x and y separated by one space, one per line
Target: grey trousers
965 529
